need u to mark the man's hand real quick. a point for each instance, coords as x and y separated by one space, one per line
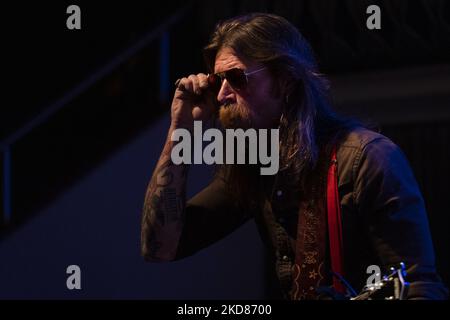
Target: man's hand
193 100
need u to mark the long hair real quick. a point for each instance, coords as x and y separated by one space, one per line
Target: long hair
308 126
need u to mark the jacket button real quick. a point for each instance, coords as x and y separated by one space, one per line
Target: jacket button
285 258
279 193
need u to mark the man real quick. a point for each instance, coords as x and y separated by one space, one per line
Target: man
263 75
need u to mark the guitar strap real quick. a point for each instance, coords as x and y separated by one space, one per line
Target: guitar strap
308 270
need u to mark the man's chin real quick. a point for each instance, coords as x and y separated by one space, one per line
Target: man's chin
234 117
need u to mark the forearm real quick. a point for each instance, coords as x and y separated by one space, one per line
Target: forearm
163 212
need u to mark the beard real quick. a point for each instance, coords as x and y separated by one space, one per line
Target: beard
234 116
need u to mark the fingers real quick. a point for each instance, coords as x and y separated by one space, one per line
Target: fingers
193 84
203 81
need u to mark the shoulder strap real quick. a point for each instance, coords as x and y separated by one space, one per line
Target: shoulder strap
335 223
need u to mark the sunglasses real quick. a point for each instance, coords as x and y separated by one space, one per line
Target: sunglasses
236 77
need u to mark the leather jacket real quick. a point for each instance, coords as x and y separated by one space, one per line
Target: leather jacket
383 218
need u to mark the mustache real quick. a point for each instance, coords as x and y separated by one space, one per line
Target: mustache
234 115
228 105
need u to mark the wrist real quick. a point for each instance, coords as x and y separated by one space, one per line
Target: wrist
181 125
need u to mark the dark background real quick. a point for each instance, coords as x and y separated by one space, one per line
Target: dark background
78 176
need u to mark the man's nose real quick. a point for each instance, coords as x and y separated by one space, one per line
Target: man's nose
226 93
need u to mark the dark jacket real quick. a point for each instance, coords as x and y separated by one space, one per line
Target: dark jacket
383 216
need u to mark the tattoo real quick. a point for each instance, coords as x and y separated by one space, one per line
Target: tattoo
156 210
167 148
170 205
164 176
154 245
149 243
162 206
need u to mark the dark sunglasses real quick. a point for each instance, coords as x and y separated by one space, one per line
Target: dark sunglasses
236 77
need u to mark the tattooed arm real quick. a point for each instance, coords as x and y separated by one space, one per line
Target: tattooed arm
162 216
164 206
